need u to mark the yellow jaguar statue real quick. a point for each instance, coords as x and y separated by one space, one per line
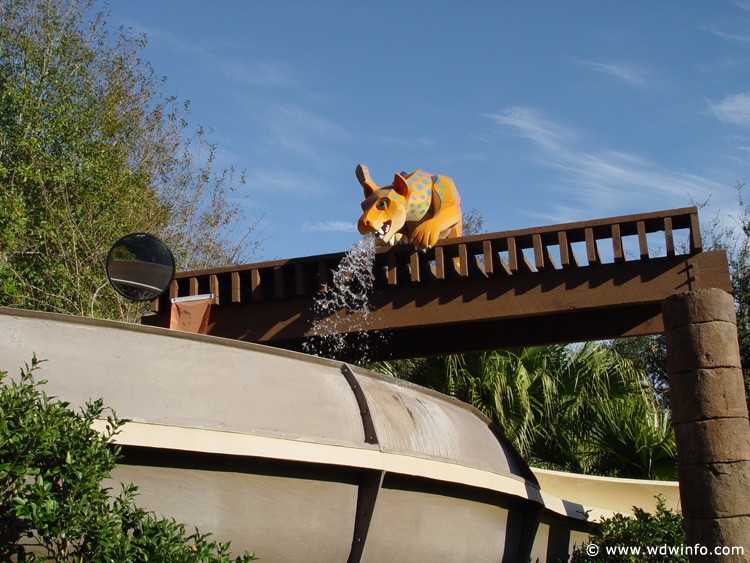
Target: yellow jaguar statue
418 207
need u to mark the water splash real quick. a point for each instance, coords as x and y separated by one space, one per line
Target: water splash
342 336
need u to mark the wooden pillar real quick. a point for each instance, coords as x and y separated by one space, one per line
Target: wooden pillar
710 418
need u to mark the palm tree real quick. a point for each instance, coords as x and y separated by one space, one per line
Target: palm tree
636 440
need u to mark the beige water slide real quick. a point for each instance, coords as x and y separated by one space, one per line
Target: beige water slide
301 458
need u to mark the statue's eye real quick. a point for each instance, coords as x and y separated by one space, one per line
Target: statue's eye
382 204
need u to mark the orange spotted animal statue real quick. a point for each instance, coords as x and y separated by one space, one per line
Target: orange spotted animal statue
418 208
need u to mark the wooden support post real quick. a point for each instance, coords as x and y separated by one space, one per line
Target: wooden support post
256 290
392 270
414 268
213 285
489 258
668 236
696 243
710 419
592 252
439 263
174 289
324 273
513 261
463 261
617 252
567 256
642 242
236 288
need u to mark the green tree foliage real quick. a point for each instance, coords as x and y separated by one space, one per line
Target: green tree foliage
577 408
91 150
733 236
648 354
661 530
473 222
52 503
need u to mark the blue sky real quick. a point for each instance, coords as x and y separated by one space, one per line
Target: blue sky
542 112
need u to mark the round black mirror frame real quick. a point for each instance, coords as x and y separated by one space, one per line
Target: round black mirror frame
128 287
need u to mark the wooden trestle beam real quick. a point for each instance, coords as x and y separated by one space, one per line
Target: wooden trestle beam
563 283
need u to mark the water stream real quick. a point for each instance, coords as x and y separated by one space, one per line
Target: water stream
342 335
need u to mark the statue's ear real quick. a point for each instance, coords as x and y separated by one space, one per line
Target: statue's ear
363 175
400 185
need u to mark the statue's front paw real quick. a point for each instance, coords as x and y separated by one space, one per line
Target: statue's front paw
426 235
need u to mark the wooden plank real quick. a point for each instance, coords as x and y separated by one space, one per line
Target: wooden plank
439 263
236 289
642 242
392 270
696 243
565 250
245 281
592 251
213 285
489 258
414 271
543 259
513 262
683 218
575 230
463 261
539 260
324 273
617 251
174 290
256 290
668 236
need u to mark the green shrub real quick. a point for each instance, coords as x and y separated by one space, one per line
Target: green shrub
52 503
615 536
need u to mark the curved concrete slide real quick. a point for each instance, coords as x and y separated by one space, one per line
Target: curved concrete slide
298 457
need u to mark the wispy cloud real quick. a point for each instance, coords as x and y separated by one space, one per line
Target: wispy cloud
301 131
285 182
627 72
329 227
604 180
529 123
267 73
264 73
729 36
287 129
734 109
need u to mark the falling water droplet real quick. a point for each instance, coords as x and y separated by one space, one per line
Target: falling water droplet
342 312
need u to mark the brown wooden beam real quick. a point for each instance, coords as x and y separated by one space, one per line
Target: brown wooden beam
570 305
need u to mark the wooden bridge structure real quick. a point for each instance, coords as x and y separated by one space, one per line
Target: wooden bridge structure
555 284
592 280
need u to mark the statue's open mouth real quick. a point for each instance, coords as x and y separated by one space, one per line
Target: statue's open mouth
384 228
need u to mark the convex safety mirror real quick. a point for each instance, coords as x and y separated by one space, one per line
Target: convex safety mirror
140 267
